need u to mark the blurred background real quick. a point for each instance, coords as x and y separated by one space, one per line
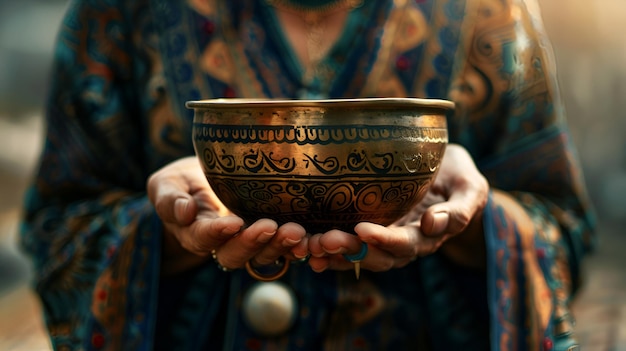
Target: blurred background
590 50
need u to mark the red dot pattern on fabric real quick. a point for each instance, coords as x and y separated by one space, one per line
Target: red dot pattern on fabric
97 340
402 63
229 93
253 344
359 343
541 253
547 344
209 27
101 295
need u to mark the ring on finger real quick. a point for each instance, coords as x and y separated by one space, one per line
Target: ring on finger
303 259
217 262
357 258
282 263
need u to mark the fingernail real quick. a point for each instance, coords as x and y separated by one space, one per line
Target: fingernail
232 230
339 250
440 222
300 255
265 237
291 242
180 208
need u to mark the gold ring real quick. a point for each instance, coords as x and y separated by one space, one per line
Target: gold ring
267 277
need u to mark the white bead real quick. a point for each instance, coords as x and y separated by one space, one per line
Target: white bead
269 308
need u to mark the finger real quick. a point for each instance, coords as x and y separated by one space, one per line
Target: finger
416 212
337 242
235 252
428 245
319 264
301 250
401 242
172 201
287 237
406 242
376 260
466 194
206 234
182 180
315 247
454 215
319 259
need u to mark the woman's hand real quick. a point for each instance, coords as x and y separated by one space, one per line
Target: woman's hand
195 222
448 218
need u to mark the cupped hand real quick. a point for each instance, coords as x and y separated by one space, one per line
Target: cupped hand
449 219
195 223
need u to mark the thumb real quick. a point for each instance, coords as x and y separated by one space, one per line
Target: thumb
184 210
171 201
455 214
435 222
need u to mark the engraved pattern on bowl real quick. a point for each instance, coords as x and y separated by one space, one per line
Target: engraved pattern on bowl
322 163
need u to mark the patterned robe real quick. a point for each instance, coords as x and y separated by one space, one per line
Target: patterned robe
123 71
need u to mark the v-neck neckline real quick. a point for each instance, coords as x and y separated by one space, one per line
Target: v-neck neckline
349 38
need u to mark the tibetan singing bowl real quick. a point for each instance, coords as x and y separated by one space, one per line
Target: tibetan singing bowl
325 164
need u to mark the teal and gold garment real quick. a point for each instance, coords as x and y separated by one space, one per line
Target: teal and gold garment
123 71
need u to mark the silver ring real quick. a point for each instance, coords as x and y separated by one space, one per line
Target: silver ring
303 259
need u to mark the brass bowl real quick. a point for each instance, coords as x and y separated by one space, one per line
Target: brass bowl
324 164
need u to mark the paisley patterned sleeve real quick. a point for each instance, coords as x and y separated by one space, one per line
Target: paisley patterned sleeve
538 222
90 230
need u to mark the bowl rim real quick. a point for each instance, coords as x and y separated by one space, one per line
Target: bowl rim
389 102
